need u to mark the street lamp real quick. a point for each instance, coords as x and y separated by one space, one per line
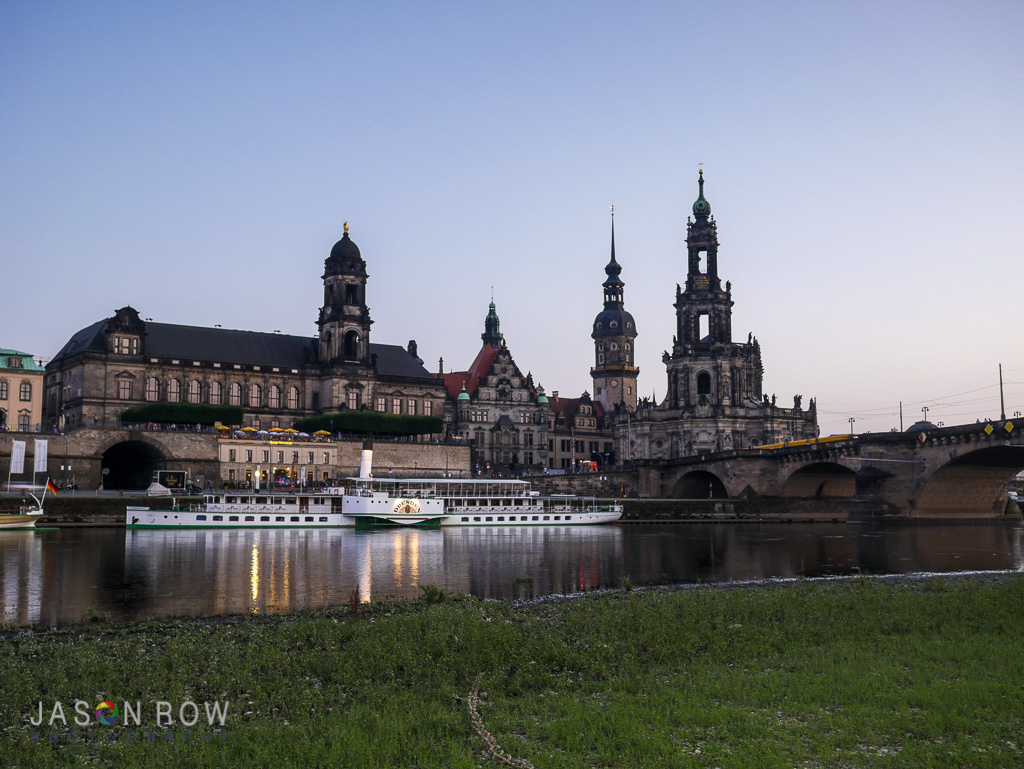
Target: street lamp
852 420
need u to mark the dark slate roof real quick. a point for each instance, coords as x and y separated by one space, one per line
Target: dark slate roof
165 340
253 348
395 360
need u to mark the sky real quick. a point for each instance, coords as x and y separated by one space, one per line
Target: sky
863 160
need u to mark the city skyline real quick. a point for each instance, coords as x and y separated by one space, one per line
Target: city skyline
198 165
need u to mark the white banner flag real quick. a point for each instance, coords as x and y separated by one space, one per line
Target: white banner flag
41 447
17 457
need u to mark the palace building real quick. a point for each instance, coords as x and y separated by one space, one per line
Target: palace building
123 361
715 400
497 410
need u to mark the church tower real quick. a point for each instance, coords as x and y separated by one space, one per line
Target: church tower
492 336
614 372
705 368
345 319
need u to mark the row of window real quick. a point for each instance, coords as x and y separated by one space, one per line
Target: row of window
253 394
512 518
24 391
411 405
310 456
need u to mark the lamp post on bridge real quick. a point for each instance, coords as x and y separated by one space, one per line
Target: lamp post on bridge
925 410
852 420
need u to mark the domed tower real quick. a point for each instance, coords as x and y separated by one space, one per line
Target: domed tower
345 319
614 333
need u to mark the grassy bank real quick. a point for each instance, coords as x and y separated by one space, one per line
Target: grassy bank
860 673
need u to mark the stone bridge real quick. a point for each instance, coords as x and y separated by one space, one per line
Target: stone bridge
946 472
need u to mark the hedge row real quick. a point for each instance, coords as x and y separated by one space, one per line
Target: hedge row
371 423
164 412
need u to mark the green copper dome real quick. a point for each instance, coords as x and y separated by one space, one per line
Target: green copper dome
541 397
463 396
701 207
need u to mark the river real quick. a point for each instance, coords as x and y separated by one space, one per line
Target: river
57 576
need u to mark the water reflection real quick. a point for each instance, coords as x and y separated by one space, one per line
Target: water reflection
57 576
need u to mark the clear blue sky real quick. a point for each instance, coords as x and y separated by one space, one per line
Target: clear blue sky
864 162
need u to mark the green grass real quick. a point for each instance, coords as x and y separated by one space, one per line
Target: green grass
861 673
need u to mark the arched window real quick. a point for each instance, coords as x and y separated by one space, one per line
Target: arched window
293 397
216 393
235 394
703 383
195 391
255 395
152 389
173 390
274 400
352 345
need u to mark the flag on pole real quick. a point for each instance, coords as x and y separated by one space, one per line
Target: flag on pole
17 457
50 487
41 446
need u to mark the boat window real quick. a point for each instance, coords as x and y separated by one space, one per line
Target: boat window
511 517
264 517
232 518
200 517
489 518
558 517
309 519
476 518
231 500
261 500
249 518
289 500
501 518
323 519
295 519
535 518
547 517
279 519
218 517
568 517
465 519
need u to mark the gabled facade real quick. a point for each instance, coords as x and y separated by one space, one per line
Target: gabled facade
580 433
715 400
496 409
125 361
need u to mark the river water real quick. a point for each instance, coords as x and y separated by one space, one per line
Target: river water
56 576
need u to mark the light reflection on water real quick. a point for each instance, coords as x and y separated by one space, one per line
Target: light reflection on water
56 576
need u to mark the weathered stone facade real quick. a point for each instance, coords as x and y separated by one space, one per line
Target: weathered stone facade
715 400
126 361
496 410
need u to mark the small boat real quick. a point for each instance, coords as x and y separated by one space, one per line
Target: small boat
366 501
23 515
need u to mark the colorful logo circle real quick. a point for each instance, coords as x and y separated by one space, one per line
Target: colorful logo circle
109 706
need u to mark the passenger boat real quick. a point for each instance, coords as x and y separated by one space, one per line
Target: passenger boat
368 501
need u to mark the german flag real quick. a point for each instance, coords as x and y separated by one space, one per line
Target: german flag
51 488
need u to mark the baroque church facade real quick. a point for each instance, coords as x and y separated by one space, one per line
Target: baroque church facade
715 400
124 361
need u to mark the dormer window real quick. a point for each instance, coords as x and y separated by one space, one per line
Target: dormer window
15 362
126 345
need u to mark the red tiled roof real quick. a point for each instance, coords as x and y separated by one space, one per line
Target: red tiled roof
471 378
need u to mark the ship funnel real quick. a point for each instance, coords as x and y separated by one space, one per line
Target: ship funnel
366 461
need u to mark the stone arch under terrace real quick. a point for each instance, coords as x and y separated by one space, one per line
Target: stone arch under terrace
699 484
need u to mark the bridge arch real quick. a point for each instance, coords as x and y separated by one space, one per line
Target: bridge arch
699 484
970 483
819 480
131 464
